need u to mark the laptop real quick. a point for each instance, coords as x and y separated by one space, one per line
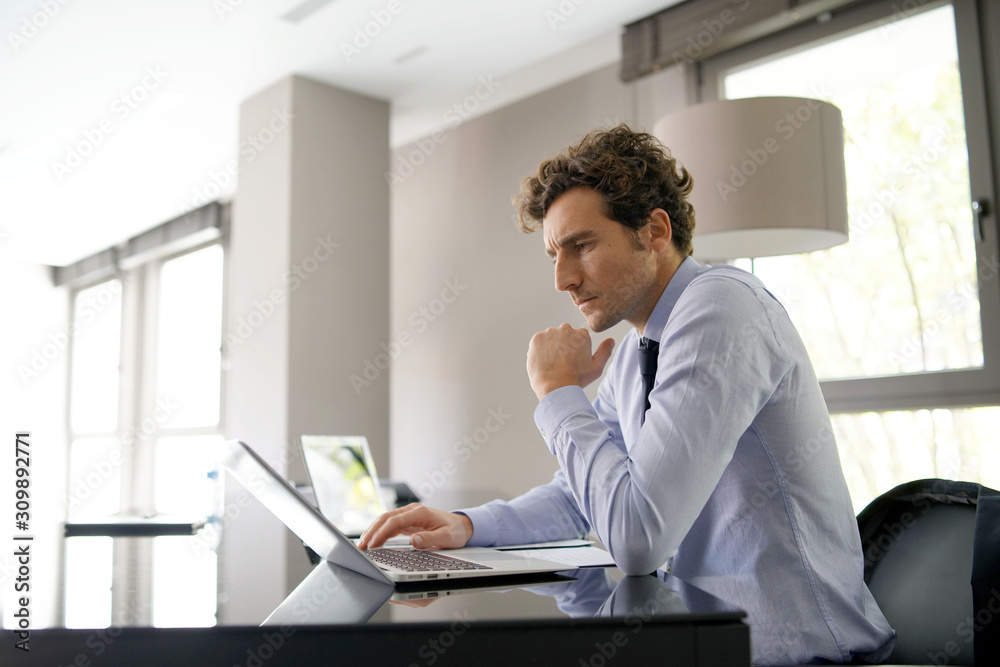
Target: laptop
343 478
390 564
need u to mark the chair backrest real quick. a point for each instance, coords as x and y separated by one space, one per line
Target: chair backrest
920 543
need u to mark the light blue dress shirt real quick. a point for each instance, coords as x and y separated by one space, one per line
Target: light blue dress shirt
733 482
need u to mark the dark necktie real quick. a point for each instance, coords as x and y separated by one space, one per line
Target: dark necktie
648 351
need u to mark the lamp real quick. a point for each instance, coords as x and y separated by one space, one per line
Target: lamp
769 174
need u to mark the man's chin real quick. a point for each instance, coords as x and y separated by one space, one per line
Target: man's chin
597 323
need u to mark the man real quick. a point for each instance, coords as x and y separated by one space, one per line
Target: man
709 452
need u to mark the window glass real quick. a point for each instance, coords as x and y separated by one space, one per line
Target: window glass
187 476
175 383
902 295
184 583
88 582
94 478
96 346
189 337
880 450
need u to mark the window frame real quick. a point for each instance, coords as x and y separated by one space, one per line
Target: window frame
132 591
929 389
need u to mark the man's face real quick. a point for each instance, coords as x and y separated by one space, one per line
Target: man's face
597 262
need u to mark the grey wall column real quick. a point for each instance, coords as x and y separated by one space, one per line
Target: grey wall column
308 286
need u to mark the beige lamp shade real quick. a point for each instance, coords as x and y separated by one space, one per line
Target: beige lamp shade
769 176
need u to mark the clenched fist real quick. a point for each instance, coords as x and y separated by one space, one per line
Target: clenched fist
561 356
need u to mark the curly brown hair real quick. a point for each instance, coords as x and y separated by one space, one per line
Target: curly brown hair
633 171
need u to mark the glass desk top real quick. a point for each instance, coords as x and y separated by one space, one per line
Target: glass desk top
334 595
586 612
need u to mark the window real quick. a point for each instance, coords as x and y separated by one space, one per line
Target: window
145 406
898 321
879 450
95 449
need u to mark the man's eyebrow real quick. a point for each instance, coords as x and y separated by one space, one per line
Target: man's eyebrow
569 240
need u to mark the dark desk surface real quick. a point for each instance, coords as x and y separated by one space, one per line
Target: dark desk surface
580 617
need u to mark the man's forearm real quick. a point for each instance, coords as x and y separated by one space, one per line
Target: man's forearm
545 513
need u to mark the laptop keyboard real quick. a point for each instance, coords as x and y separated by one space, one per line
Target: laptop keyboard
414 560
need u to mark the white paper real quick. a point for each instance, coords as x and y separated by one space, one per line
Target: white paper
546 545
577 556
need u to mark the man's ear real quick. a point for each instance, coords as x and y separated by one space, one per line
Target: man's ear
659 230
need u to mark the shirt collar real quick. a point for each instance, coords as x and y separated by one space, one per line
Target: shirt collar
657 321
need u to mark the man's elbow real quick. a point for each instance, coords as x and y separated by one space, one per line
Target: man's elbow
636 563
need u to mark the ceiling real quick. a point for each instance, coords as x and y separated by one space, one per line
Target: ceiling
114 115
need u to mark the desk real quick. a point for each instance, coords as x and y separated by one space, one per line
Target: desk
580 617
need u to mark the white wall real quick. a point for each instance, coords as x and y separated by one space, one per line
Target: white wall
452 220
33 374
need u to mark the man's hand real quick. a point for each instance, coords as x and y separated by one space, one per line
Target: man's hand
559 357
428 528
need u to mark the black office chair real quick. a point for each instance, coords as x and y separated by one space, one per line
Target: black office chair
932 562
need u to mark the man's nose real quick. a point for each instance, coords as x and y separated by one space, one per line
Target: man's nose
567 274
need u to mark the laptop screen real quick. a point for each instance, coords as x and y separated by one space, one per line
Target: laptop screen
277 495
343 477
